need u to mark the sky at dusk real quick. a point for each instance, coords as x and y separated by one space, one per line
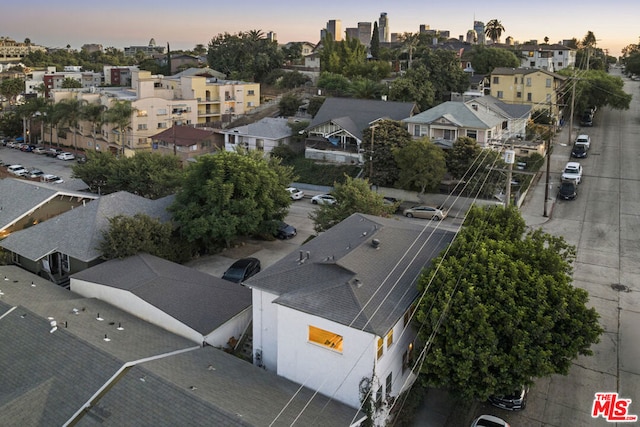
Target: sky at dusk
184 24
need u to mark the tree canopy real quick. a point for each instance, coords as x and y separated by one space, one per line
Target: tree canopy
387 136
231 194
494 30
598 88
485 59
422 165
354 195
499 308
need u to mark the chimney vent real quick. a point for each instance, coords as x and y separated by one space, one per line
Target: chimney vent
375 243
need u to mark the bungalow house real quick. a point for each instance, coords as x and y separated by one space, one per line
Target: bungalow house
68 243
516 115
451 120
263 135
185 142
195 305
335 133
25 203
337 315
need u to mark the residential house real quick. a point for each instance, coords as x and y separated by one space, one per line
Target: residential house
516 115
186 142
446 122
182 61
71 360
335 133
26 203
204 309
550 57
263 135
69 242
538 88
337 314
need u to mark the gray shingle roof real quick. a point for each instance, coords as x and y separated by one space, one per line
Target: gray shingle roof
273 128
347 280
199 300
78 232
355 115
459 113
18 196
513 111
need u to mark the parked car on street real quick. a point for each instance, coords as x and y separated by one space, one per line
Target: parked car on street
515 401
17 170
295 193
35 173
568 190
39 150
323 199
489 421
572 172
66 156
427 212
242 269
579 151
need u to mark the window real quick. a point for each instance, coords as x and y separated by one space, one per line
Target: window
162 111
529 96
516 80
380 347
532 64
416 130
528 81
548 97
389 383
407 358
142 126
473 134
518 94
449 135
326 339
488 134
66 262
15 258
500 94
379 397
531 54
251 92
548 83
142 113
390 338
408 314
496 79
162 125
559 64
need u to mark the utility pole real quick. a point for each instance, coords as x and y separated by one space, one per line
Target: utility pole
573 101
548 154
509 158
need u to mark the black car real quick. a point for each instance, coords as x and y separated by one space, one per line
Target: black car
568 190
586 119
579 151
515 401
242 269
285 231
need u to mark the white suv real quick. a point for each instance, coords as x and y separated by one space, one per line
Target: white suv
584 140
572 172
17 170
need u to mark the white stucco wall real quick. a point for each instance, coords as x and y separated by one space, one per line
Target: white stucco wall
234 327
265 329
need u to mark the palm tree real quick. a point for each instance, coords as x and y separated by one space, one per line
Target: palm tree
494 30
69 113
120 114
93 113
410 42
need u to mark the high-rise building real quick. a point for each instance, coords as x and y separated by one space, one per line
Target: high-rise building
364 33
383 28
351 32
334 27
424 28
478 27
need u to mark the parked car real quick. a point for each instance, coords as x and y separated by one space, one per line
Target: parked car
35 173
323 199
285 231
568 190
39 150
515 401
27 148
579 151
242 269
51 179
572 172
81 159
295 193
12 144
489 421
53 152
66 156
583 140
427 212
17 170
392 201
586 119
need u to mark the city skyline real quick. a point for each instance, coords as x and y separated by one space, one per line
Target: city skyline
134 24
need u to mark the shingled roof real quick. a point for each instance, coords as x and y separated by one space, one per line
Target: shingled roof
343 276
199 300
459 113
78 232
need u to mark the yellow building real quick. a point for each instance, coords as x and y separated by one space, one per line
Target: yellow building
529 86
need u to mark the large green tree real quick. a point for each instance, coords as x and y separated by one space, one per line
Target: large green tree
380 164
422 165
127 236
11 88
93 112
119 114
597 88
462 156
231 194
374 46
354 195
485 59
414 86
499 309
69 113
